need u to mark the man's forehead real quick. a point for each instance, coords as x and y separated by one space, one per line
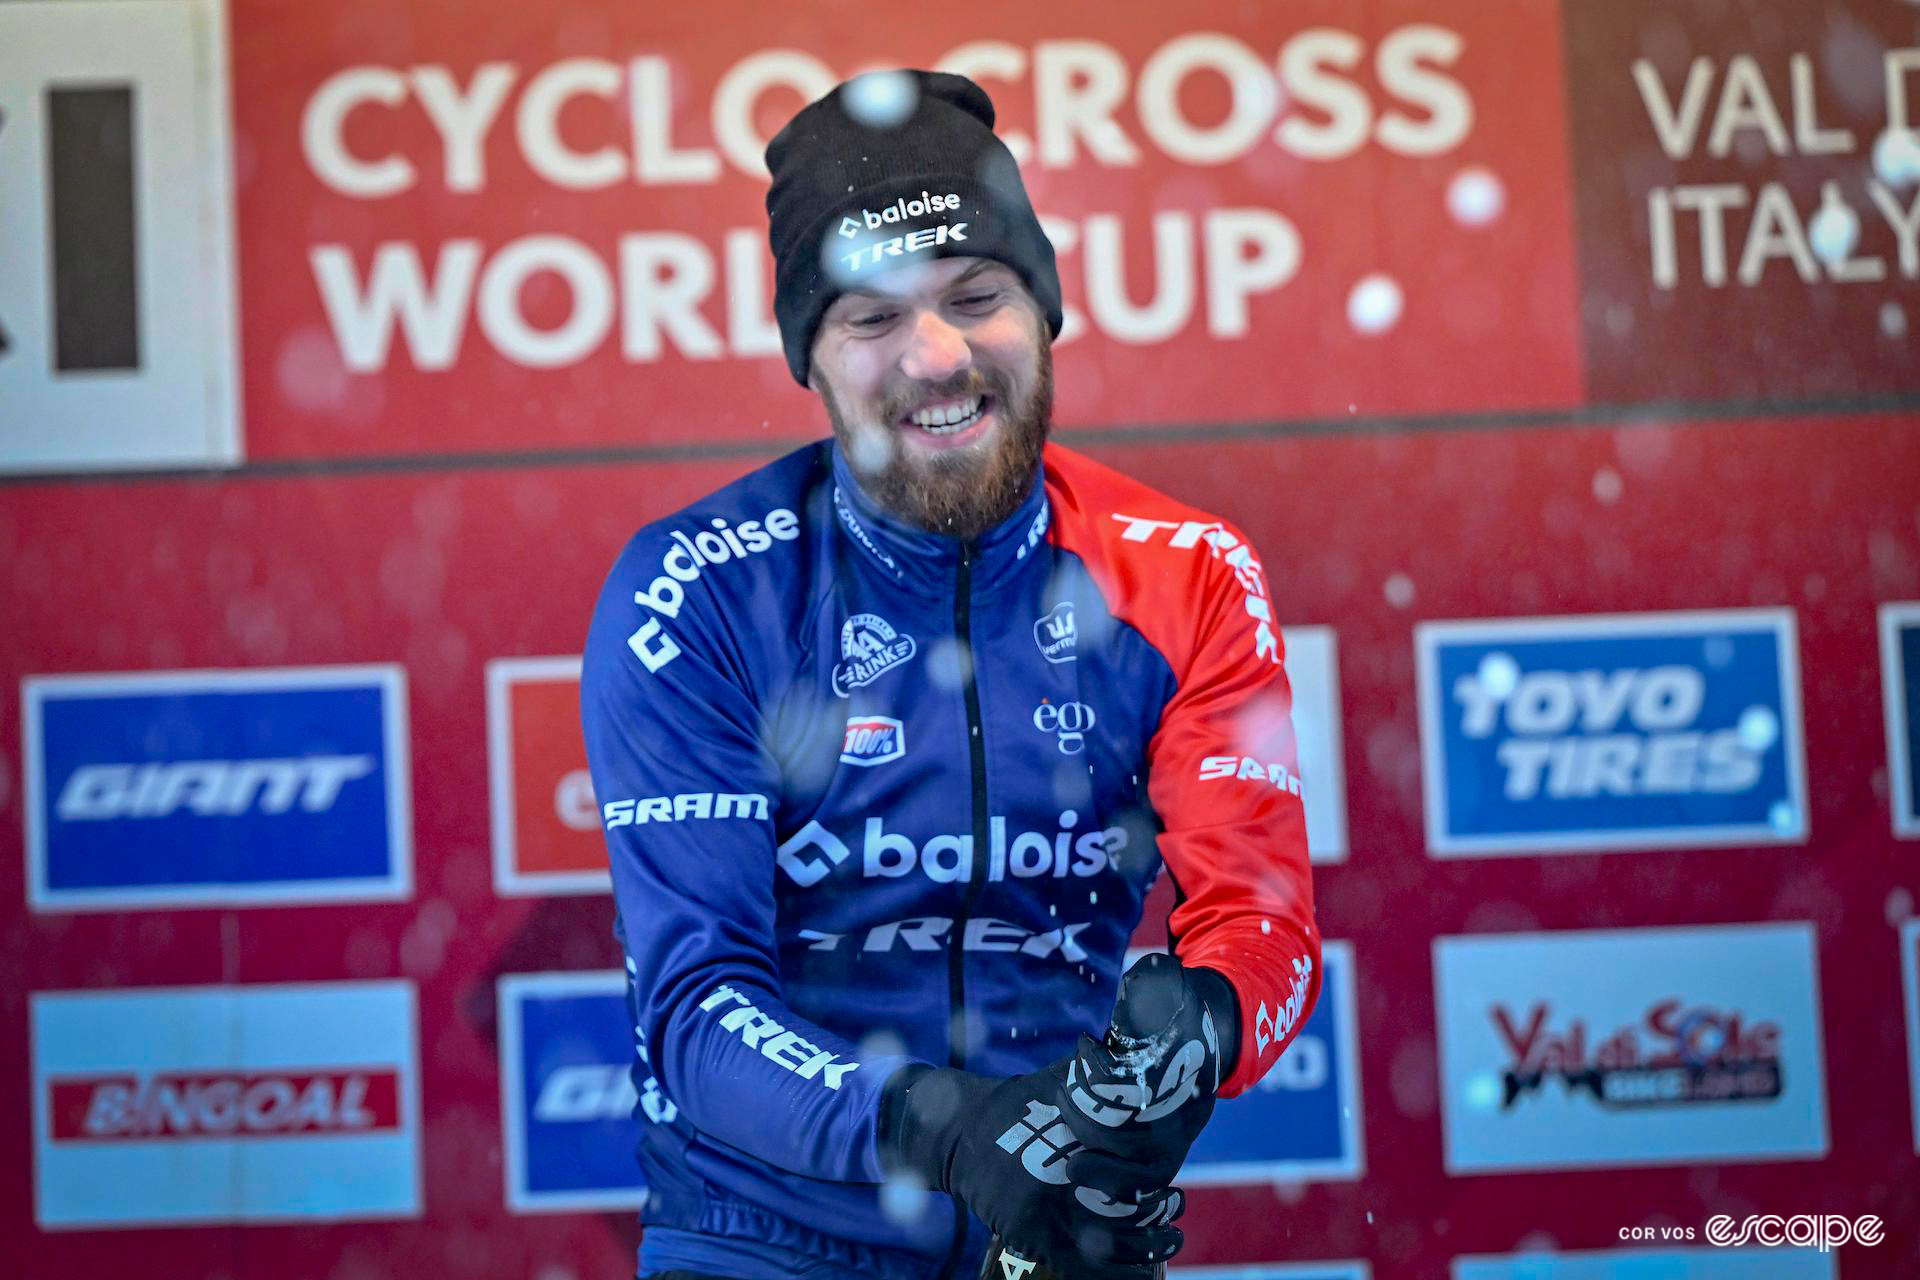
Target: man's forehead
938 273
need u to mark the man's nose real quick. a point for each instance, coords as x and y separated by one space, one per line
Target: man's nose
935 349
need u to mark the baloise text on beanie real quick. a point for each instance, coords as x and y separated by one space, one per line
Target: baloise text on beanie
894 167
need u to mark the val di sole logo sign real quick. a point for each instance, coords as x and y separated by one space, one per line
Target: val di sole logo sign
217 788
1614 1048
271 1103
1634 731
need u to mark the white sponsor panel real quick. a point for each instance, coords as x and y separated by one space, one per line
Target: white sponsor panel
181 1105
1313 669
1649 1264
1614 1048
168 397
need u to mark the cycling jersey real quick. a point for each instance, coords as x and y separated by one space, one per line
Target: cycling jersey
875 796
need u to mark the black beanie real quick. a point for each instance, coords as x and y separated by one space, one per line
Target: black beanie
891 168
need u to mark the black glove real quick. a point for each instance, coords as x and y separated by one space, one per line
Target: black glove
1002 1147
1139 1101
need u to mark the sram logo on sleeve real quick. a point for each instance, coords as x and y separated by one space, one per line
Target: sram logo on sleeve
1639 731
215 788
225 1104
567 1099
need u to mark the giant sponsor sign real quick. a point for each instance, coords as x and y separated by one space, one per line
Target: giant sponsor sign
1745 188
1910 991
546 827
1301 1122
455 219
213 788
117 334
183 1105
1649 1264
1629 1047
1635 731
567 1101
1900 693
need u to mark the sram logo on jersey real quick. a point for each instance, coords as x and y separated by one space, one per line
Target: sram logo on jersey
224 1104
1282 778
1238 557
1678 1054
774 1042
811 853
217 788
932 933
101 792
1647 731
683 807
683 563
873 740
869 648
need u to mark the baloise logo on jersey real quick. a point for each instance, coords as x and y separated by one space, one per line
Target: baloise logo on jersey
567 1100
810 854
1629 1046
1638 731
225 1104
217 788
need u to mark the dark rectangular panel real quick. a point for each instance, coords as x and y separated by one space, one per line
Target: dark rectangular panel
90 178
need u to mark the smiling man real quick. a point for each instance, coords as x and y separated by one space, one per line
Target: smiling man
891 738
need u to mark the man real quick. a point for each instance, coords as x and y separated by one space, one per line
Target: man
892 737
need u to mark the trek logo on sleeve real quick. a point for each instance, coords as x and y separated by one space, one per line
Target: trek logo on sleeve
568 1104
1620 1047
217 788
1636 731
774 1042
1238 557
260 1103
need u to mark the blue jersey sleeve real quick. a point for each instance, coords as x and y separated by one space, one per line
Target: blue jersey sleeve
687 794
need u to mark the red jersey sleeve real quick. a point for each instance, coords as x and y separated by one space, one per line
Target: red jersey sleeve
1223 764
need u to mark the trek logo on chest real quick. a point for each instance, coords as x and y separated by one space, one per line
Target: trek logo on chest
869 647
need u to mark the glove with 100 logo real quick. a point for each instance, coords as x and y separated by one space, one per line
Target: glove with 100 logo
1004 1147
1139 1101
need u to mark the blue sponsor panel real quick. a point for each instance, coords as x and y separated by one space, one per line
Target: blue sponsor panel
567 1097
1638 731
214 788
1302 1121
1900 688
1353 1269
1649 1264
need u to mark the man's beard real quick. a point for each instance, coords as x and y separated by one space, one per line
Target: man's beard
965 493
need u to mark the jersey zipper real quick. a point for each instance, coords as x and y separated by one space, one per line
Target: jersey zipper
976 878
